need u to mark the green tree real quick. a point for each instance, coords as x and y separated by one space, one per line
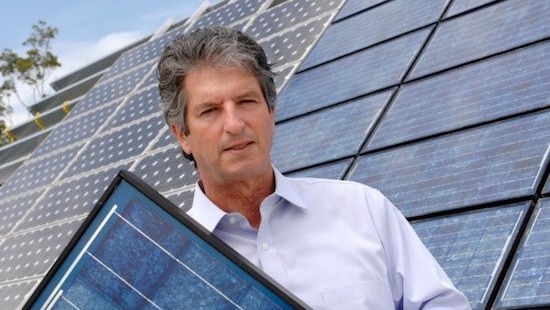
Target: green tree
31 69
4 111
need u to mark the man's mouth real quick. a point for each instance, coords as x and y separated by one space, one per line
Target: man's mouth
238 146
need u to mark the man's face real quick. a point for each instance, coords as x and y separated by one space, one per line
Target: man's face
230 125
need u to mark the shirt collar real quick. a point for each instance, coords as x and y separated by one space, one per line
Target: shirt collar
205 211
285 188
209 215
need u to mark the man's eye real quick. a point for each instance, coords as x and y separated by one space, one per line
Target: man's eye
207 111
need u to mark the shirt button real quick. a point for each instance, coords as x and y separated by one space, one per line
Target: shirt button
232 220
265 246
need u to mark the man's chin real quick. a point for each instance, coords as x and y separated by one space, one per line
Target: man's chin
246 168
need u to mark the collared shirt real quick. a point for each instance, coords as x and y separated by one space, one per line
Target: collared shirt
336 245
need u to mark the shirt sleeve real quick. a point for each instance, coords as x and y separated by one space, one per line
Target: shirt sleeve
416 279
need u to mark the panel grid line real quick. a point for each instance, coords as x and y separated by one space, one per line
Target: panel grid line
205 281
408 70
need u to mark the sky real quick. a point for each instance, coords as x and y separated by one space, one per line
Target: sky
88 30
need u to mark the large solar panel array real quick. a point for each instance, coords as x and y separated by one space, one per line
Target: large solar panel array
443 105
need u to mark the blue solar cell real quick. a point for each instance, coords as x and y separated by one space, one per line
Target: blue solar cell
287 14
326 135
141 104
115 146
182 198
528 283
12 210
354 6
75 130
229 13
166 138
140 54
69 199
110 90
151 79
282 75
12 293
166 170
460 6
240 25
30 254
494 29
378 24
290 46
472 246
349 77
334 170
38 172
489 163
136 233
502 86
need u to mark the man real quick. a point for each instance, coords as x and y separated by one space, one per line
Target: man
335 244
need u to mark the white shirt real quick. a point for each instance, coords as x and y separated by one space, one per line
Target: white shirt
335 245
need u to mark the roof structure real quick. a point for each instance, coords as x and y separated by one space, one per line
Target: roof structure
443 105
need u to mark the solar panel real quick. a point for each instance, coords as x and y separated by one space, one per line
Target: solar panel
349 77
290 46
166 170
117 145
481 33
139 105
29 254
14 293
38 172
355 6
241 25
112 89
333 170
282 75
382 22
14 208
528 281
232 12
75 130
165 138
489 163
460 6
182 198
180 265
151 80
139 55
471 247
468 96
287 14
69 199
320 137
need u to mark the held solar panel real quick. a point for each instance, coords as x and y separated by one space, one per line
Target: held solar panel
136 250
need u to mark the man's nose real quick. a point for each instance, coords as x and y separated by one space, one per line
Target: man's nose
233 122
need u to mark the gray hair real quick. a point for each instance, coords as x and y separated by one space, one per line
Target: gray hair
214 47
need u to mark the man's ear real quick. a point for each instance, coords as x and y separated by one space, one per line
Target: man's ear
181 137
